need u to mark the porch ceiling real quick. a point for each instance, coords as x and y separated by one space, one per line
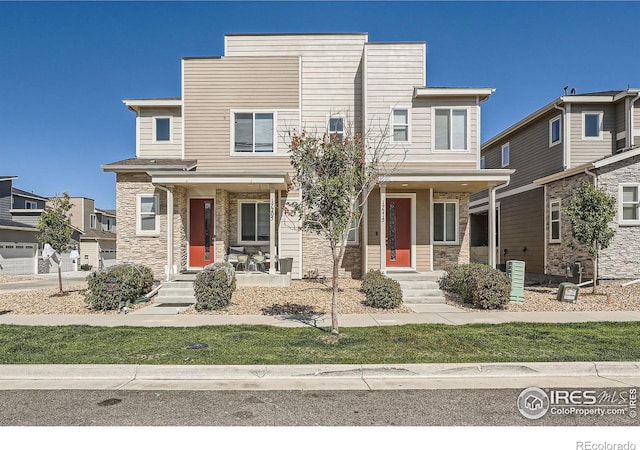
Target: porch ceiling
448 181
239 182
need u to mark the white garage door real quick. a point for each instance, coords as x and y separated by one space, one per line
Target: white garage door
17 259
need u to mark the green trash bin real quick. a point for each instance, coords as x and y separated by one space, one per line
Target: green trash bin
568 292
285 265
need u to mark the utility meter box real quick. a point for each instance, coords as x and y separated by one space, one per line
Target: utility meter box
568 292
515 271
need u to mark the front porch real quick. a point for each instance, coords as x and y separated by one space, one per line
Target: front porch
243 278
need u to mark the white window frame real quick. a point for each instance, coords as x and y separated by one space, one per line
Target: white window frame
253 202
155 133
344 125
433 214
355 241
621 221
483 162
508 159
551 122
232 125
407 125
467 148
600 115
107 224
93 221
552 202
139 230
28 204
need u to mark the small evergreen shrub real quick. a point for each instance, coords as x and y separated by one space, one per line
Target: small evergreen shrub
120 283
214 286
478 285
381 291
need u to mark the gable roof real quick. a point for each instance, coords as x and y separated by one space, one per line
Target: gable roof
21 193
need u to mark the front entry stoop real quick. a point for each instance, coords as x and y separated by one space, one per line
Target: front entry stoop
419 288
172 298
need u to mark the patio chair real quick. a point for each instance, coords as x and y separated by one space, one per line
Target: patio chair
242 261
259 260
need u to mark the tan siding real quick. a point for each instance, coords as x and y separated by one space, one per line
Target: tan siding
636 122
587 150
150 149
89 254
522 226
289 236
215 87
620 117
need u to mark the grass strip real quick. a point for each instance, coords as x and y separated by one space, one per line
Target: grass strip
425 343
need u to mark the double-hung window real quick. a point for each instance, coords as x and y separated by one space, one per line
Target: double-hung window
253 222
445 222
254 132
554 221
147 214
93 221
30 205
400 125
629 204
451 129
555 131
506 156
592 124
162 127
336 128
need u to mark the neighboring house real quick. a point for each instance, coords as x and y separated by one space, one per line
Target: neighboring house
579 137
211 168
98 243
19 246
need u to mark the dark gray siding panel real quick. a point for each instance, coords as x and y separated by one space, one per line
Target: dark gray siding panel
522 227
19 236
20 202
5 200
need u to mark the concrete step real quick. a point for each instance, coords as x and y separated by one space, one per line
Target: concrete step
177 284
421 292
173 292
423 300
416 276
419 285
180 299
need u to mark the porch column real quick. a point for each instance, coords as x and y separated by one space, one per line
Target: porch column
272 229
383 228
492 227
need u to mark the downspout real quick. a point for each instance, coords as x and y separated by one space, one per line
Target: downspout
630 140
169 191
565 142
492 222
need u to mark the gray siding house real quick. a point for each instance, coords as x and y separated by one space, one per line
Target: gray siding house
589 137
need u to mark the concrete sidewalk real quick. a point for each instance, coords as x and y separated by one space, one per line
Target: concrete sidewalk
322 377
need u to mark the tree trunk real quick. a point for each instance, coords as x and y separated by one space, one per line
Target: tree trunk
595 274
334 296
60 279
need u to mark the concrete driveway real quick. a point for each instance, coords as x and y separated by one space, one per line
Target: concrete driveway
43 281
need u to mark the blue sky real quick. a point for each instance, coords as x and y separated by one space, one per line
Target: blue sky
66 66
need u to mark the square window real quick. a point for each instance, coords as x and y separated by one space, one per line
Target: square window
451 129
254 221
30 205
253 132
163 129
629 204
336 128
445 222
400 125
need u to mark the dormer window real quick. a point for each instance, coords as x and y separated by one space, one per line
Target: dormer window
162 129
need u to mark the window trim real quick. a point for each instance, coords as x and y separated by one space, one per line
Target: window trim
155 130
600 124
457 228
508 147
552 202
483 162
558 119
31 202
344 122
93 221
621 221
232 144
239 224
468 130
356 241
408 124
139 230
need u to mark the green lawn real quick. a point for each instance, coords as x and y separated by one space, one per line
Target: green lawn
595 341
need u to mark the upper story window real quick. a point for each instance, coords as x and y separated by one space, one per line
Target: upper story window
451 129
147 218
93 220
107 224
253 221
400 125
629 204
592 124
505 155
162 129
336 128
254 132
28 204
445 222
555 131
483 163
554 221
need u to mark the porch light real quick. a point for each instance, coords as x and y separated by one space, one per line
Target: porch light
405 184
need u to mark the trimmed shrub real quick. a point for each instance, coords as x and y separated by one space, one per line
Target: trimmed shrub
214 286
479 285
381 291
120 283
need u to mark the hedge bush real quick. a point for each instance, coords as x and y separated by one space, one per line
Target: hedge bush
214 286
381 291
478 285
120 283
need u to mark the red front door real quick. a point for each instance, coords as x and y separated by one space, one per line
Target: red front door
201 239
398 232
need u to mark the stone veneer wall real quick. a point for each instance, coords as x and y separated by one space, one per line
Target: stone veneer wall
622 259
560 255
150 251
180 242
222 224
317 259
451 255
